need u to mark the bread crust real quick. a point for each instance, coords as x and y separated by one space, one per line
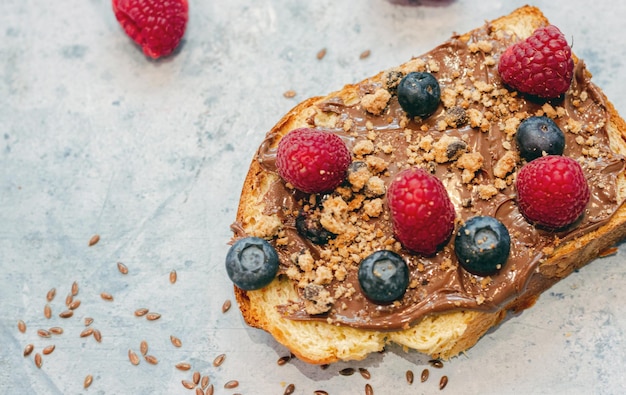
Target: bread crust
442 335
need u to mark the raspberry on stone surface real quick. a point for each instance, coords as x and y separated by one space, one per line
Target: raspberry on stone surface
540 65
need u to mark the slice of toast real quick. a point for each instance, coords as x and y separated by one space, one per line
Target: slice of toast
469 144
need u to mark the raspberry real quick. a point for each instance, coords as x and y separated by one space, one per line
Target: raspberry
156 25
421 210
312 160
552 191
541 65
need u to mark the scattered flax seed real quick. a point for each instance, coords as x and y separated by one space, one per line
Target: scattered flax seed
608 252
320 392
66 314
231 384
409 376
209 390
153 316
196 377
50 295
436 363
283 360
132 356
289 94
365 54
48 349
188 384
369 390
69 299
204 382
365 373
74 288
94 240
122 268
324 366
106 296
86 332
43 333
141 312
173 276
88 381
151 359
443 382
21 326
38 360
219 360
175 341
74 305
226 305
424 376
47 311
56 330
183 366
143 347
347 371
88 321
97 335
321 53
291 388
199 391
28 349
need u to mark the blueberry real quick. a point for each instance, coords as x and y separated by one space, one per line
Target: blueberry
419 94
308 225
536 135
383 276
251 263
482 245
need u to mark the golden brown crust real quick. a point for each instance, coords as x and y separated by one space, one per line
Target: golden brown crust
443 335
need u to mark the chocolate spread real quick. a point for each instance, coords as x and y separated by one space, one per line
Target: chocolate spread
438 282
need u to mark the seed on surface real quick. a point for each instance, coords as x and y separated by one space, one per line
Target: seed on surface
88 321
346 372
122 268
321 53
175 341
409 376
324 366
199 391
106 296
209 390
66 314
153 316
365 54
50 295
443 382
56 330
47 311
94 240
204 382
74 288
183 366
365 373
132 356
290 389
231 384
425 374
320 392
69 299
88 381
21 326
38 360
28 349
173 276
141 312
86 332
48 349
196 377
188 384
226 305
74 305
289 94
283 360
97 335
219 360
143 347
436 363
43 333
151 359
369 390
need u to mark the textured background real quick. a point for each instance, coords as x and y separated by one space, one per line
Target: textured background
98 139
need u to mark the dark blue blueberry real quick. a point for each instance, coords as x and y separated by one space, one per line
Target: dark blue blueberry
419 94
383 276
482 245
251 263
536 135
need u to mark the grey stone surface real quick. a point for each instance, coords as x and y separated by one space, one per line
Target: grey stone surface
151 155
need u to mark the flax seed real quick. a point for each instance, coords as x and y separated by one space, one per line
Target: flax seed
151 359
409 376
143 347
47 311
28 349
43 333
365 54
38 360
141 312
219 360
199 391
321 53
74 288
97 335
365 373
66 314
173 276
74 305
291 388
106 296
226 305
369 390
209 390
94 240
69 299
56 330
153 316
196 377
320 392
134 359
289 94
443 382
204 382
183 366
88 321
188 384
231 384
175 341
88 381
283 360
436 363
50 295
347 372
122 268
48 349
424 376
21 326
86 332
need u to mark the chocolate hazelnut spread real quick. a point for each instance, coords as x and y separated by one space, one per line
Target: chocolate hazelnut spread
468 143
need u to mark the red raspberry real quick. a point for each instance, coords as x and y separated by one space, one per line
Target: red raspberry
552 191
156 25
312 160
541 65
421 210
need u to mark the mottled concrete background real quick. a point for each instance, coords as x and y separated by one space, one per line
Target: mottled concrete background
97 139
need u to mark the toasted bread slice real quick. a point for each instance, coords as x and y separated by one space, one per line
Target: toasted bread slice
476 109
